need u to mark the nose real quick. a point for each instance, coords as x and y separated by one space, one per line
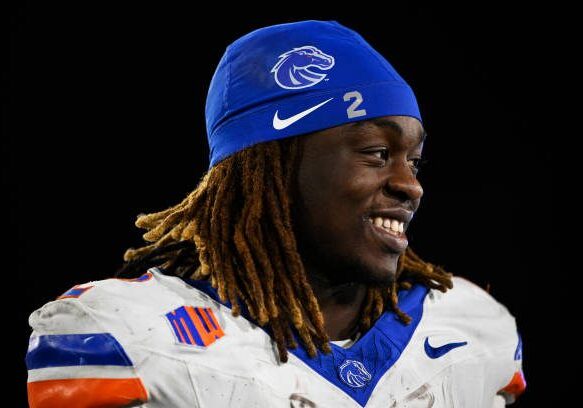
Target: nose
402 183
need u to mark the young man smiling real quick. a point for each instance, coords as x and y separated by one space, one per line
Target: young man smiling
285 278
358 192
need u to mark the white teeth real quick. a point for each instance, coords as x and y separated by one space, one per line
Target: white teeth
393 226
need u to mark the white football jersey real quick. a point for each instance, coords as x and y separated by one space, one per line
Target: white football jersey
163 341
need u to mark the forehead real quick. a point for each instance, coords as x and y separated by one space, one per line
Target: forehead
396 132
401 132
403 128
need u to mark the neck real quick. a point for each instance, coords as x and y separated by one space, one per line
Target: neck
340 303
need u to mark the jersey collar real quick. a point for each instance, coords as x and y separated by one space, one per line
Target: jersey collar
356 370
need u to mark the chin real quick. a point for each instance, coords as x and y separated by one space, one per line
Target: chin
345 266
378 273
379 278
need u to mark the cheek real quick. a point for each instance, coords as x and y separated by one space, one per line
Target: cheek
362 185
340 198
334 191
319 190
334 239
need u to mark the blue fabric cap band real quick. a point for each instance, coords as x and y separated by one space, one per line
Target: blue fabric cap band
297 78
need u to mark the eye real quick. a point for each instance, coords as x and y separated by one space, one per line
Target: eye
382 154
417 163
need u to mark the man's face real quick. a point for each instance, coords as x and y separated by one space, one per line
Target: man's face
358 191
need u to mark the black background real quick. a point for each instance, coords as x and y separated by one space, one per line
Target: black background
104 119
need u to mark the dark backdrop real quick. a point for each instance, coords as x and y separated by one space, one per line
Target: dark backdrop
104 119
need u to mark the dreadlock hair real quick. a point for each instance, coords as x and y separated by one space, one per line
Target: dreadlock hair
235 229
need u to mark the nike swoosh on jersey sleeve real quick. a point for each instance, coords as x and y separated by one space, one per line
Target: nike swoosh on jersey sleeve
78 367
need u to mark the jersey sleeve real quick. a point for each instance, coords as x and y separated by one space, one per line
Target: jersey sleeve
517 384
494 327
73 361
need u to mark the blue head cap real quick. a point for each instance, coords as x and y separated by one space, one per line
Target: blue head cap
296 78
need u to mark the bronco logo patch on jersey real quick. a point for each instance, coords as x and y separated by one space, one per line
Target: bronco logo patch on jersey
294 70
354 373
195 325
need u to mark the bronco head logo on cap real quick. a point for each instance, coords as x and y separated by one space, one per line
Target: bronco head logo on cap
292 70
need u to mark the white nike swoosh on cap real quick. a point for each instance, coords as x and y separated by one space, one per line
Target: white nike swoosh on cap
279 124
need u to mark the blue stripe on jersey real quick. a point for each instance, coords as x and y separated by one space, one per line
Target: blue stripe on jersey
369 358
75 292
75 350
145 277
518 352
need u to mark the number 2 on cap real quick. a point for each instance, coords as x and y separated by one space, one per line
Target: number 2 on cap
351 111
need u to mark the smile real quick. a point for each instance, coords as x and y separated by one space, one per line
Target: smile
390 232
393 227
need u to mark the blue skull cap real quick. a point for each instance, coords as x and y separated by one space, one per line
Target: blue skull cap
296 78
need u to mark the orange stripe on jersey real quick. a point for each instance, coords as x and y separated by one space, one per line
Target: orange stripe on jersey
87 393
516 386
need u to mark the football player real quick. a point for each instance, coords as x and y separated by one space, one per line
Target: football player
285 278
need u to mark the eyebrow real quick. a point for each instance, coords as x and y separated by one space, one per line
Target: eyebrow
387 123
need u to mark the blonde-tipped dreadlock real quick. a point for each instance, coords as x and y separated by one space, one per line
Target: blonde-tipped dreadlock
235 230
